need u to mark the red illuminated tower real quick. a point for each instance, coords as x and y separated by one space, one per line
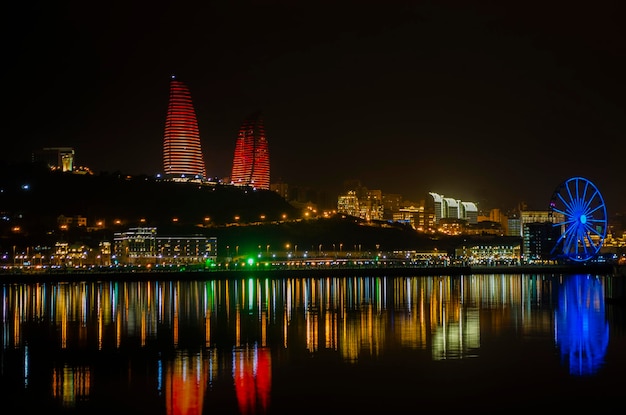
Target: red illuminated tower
182 153
251 164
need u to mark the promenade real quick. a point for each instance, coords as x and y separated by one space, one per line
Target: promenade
181 273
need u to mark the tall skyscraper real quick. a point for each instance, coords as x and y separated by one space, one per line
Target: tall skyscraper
182 152
251 164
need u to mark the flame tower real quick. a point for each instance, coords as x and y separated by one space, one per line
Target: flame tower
182 153
251 164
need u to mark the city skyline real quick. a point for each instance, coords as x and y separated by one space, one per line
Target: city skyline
493 103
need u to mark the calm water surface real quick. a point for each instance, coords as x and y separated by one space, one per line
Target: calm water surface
465 344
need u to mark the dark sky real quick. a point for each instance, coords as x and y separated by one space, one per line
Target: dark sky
495 102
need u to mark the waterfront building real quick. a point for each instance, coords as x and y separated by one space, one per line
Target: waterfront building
136 246
537 231
74 255
186 249
533 216
103 256
60 252
182 151
539 238
142 246
485 253
251 161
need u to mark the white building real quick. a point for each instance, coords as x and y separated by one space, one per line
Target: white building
450 208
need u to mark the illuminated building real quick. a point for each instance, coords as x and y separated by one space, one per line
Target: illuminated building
539 239
363 203
371 205
499 252
143 246
136 246
447 207
513 226
182 152
57 158
469 211
539 236
416 216
66 222
251 162
348 204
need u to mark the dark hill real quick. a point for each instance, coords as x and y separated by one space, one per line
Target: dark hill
32 198
34 191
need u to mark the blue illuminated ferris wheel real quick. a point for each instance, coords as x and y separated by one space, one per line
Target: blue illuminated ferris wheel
577 207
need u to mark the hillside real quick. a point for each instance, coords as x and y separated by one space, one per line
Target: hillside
32 198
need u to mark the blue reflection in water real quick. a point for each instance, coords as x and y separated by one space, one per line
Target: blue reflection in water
582 332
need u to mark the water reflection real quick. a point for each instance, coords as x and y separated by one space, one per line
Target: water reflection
582 331
252 373
184 347
186 378
71 384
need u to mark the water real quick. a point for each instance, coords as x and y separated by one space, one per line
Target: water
472 344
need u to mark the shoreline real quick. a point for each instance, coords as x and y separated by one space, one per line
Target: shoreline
140 275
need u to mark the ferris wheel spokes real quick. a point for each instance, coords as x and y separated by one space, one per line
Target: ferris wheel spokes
581 218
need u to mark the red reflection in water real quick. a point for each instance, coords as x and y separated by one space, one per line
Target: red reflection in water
185 383
253 380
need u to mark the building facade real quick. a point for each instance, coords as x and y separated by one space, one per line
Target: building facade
539 233
56 158
348 204
142 246
539 240
182 151
251 161
417 217
450 208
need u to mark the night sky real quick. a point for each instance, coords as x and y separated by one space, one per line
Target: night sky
494 102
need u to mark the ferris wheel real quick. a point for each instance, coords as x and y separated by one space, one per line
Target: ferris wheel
577 207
